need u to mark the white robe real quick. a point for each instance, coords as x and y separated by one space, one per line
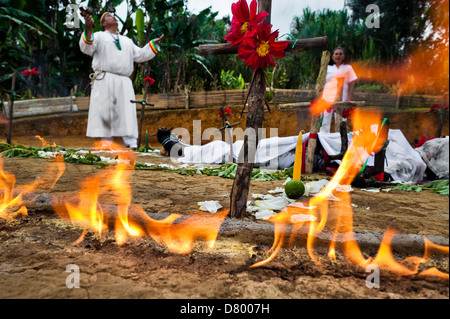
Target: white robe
330 91
110 111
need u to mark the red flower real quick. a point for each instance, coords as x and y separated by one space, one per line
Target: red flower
259 47
347 113
30 72
149 80
435 107
227 112
244 19
422 141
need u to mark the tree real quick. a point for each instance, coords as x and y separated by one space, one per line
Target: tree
413 37
402 25
339 29
184 32
19 29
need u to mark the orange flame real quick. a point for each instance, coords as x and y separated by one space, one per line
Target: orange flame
44 142
12 205
8 202
368 138
317 107
427 67
177 234
415 73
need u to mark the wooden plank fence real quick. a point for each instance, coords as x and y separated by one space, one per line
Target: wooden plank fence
284 99
34 107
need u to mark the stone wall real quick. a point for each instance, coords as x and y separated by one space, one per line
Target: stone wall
289 122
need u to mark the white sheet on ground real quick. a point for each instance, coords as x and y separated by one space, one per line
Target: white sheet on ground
435 154
402 161
272 153
216 152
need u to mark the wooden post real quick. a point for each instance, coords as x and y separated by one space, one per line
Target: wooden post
442 115
312 143
187 101
338 117
12 96
142 115
255 118
399 96
265 5
340 124
141 120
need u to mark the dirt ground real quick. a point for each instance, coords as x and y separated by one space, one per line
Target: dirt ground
35 250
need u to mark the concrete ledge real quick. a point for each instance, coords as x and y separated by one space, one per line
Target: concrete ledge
409 244
35 107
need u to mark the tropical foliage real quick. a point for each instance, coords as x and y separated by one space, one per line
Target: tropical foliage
34 34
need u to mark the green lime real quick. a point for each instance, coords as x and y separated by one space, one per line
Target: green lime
294 189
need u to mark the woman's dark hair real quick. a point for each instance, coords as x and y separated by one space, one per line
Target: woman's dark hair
346 60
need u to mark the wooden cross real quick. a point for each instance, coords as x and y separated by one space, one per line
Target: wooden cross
141 120
226 126
255 117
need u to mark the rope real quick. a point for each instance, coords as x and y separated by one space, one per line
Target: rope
291 37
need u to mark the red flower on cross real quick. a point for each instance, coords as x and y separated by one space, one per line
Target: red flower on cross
30 72
148 80
227 112
260 47
422 141
347 113
435 107
244 20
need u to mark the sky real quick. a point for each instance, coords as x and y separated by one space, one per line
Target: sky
283 11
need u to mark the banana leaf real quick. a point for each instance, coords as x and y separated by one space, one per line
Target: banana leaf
140 24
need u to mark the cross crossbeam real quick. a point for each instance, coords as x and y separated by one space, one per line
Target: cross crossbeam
294 46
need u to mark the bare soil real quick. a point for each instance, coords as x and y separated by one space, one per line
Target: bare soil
36 249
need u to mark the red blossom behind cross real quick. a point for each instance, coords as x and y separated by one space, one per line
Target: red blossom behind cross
422 141
30 72
347 113
227 112
148 80
244 20
260 47
436 108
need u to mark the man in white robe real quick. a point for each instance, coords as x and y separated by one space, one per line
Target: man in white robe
111 114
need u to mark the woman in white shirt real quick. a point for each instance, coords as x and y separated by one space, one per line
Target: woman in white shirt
340 79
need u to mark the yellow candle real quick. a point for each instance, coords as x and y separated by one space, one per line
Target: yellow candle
298 158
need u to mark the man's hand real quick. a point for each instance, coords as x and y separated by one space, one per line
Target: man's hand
89 24
157 40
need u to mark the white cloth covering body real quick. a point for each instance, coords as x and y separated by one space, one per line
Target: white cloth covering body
403 163
111 114
330 91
